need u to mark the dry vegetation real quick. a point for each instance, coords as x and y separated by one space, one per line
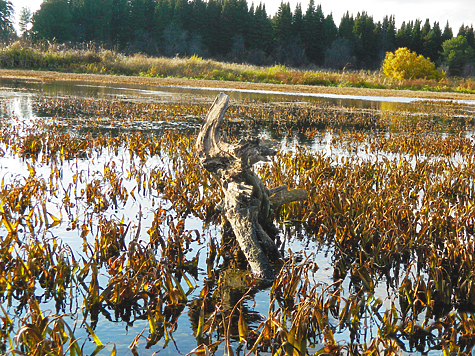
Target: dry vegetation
404 219
99 61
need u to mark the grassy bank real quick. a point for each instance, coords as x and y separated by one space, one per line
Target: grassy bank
100 61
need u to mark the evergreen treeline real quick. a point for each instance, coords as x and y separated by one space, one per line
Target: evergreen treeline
231 30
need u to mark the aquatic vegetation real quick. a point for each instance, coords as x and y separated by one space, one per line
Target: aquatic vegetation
391 205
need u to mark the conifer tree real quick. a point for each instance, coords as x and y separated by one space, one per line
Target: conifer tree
119 25
468 33
265 30
345 30
404 35
25 20
283 25
330 31
365 48
313 33
141 26
6 20
234 24
182 14
163 16
296 55
425 29
242 18
198 16
198 22
447 34
297 22
212 32
260 35
433 43
416 37
386 37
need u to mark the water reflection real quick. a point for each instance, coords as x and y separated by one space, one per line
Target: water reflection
171 93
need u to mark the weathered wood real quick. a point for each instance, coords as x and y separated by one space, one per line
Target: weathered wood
281 196
247 204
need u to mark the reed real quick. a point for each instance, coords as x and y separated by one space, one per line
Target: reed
90 58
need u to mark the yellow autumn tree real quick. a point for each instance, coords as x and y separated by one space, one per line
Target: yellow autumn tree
404 64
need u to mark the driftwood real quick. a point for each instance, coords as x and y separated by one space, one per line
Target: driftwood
247 204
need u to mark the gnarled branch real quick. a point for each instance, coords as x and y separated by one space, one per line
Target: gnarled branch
247 203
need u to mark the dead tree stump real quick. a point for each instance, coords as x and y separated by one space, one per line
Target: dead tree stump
248 204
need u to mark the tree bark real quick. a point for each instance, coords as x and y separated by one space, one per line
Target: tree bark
248 204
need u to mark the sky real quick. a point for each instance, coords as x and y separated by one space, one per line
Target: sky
457 12
19 4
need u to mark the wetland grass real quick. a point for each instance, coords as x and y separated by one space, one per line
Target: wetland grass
95 60
396 210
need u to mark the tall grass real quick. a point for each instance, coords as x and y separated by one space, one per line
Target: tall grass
89 58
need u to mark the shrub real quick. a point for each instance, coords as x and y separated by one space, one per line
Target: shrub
17 55
404 64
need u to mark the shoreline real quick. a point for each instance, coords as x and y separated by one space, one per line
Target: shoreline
44 76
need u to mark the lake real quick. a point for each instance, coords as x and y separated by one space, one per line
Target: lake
87 167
